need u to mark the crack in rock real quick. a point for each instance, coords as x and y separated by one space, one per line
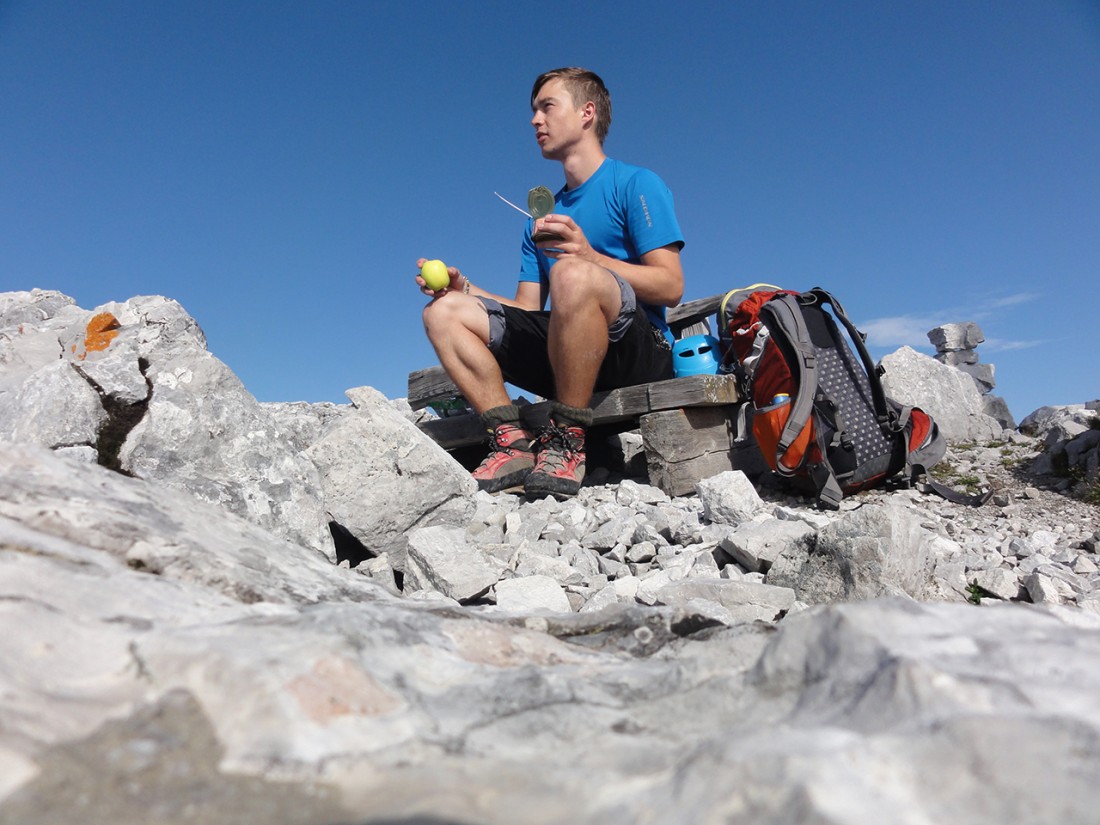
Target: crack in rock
121 419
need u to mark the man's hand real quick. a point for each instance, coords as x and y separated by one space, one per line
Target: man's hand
457 280
572 238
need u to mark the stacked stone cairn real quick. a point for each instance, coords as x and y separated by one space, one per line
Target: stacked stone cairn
957 346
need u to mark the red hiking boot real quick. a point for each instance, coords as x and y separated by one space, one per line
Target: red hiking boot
509 461
559 469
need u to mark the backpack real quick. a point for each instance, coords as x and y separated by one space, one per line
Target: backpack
820 416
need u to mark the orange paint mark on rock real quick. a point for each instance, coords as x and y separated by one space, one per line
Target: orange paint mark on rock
337 687
102 330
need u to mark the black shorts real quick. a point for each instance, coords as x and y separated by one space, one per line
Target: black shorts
637 351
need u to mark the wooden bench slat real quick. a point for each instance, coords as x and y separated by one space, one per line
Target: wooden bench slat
429 385
607 408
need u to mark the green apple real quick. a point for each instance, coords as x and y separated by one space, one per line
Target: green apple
435 275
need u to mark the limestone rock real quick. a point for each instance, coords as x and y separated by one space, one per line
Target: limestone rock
945 393
381 478
729 498
302 423
756 546
532 594
167 660
997 408
983 375
953 337
55 407
440 559
203 432
999 582
1053 424
159 530
134 381
745 601
876 550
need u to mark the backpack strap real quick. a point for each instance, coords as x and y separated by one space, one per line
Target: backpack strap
928 485
783 314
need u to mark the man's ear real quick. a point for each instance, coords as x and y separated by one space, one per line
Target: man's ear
588 112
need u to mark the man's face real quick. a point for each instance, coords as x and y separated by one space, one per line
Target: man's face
558 123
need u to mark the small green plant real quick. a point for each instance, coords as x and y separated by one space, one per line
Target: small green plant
943 472
970 483
1092 493
975 592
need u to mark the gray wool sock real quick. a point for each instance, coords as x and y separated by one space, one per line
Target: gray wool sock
567 416
504 414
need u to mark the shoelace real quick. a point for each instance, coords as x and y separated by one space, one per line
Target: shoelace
497 444
556 446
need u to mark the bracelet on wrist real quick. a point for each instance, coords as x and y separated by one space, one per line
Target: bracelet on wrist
465 285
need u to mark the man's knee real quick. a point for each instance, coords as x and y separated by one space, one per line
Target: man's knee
575 283
573 279
440 315
575 274
454 313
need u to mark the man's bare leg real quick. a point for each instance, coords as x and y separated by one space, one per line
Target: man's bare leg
458 329
585 301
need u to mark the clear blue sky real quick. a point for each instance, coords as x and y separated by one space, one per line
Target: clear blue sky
277 167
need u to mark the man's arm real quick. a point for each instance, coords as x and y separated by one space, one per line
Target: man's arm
529 294
658 279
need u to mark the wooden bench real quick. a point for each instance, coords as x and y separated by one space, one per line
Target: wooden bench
688 425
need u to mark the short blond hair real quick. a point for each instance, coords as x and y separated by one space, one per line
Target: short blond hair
583 85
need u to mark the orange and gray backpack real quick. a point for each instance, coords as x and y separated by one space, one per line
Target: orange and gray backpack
820 415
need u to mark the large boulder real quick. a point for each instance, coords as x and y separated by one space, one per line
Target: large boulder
944 392
203 432
156 529
133 385
382 477
43 399
876 550
55 407
1071 441
1054 424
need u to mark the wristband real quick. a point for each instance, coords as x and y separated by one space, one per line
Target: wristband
465 285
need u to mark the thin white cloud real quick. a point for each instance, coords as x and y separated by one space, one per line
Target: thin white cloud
899 330
912 330
1012 300
1002 345
991 307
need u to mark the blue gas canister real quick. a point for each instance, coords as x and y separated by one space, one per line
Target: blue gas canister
695 355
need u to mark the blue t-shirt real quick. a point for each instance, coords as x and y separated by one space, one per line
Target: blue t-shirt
625 211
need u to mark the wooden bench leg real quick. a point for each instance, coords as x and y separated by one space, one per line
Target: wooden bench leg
687 445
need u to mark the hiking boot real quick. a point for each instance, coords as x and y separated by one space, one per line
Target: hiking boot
559 468
509 461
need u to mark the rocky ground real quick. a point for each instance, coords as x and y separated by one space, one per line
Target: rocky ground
621 541
182 640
